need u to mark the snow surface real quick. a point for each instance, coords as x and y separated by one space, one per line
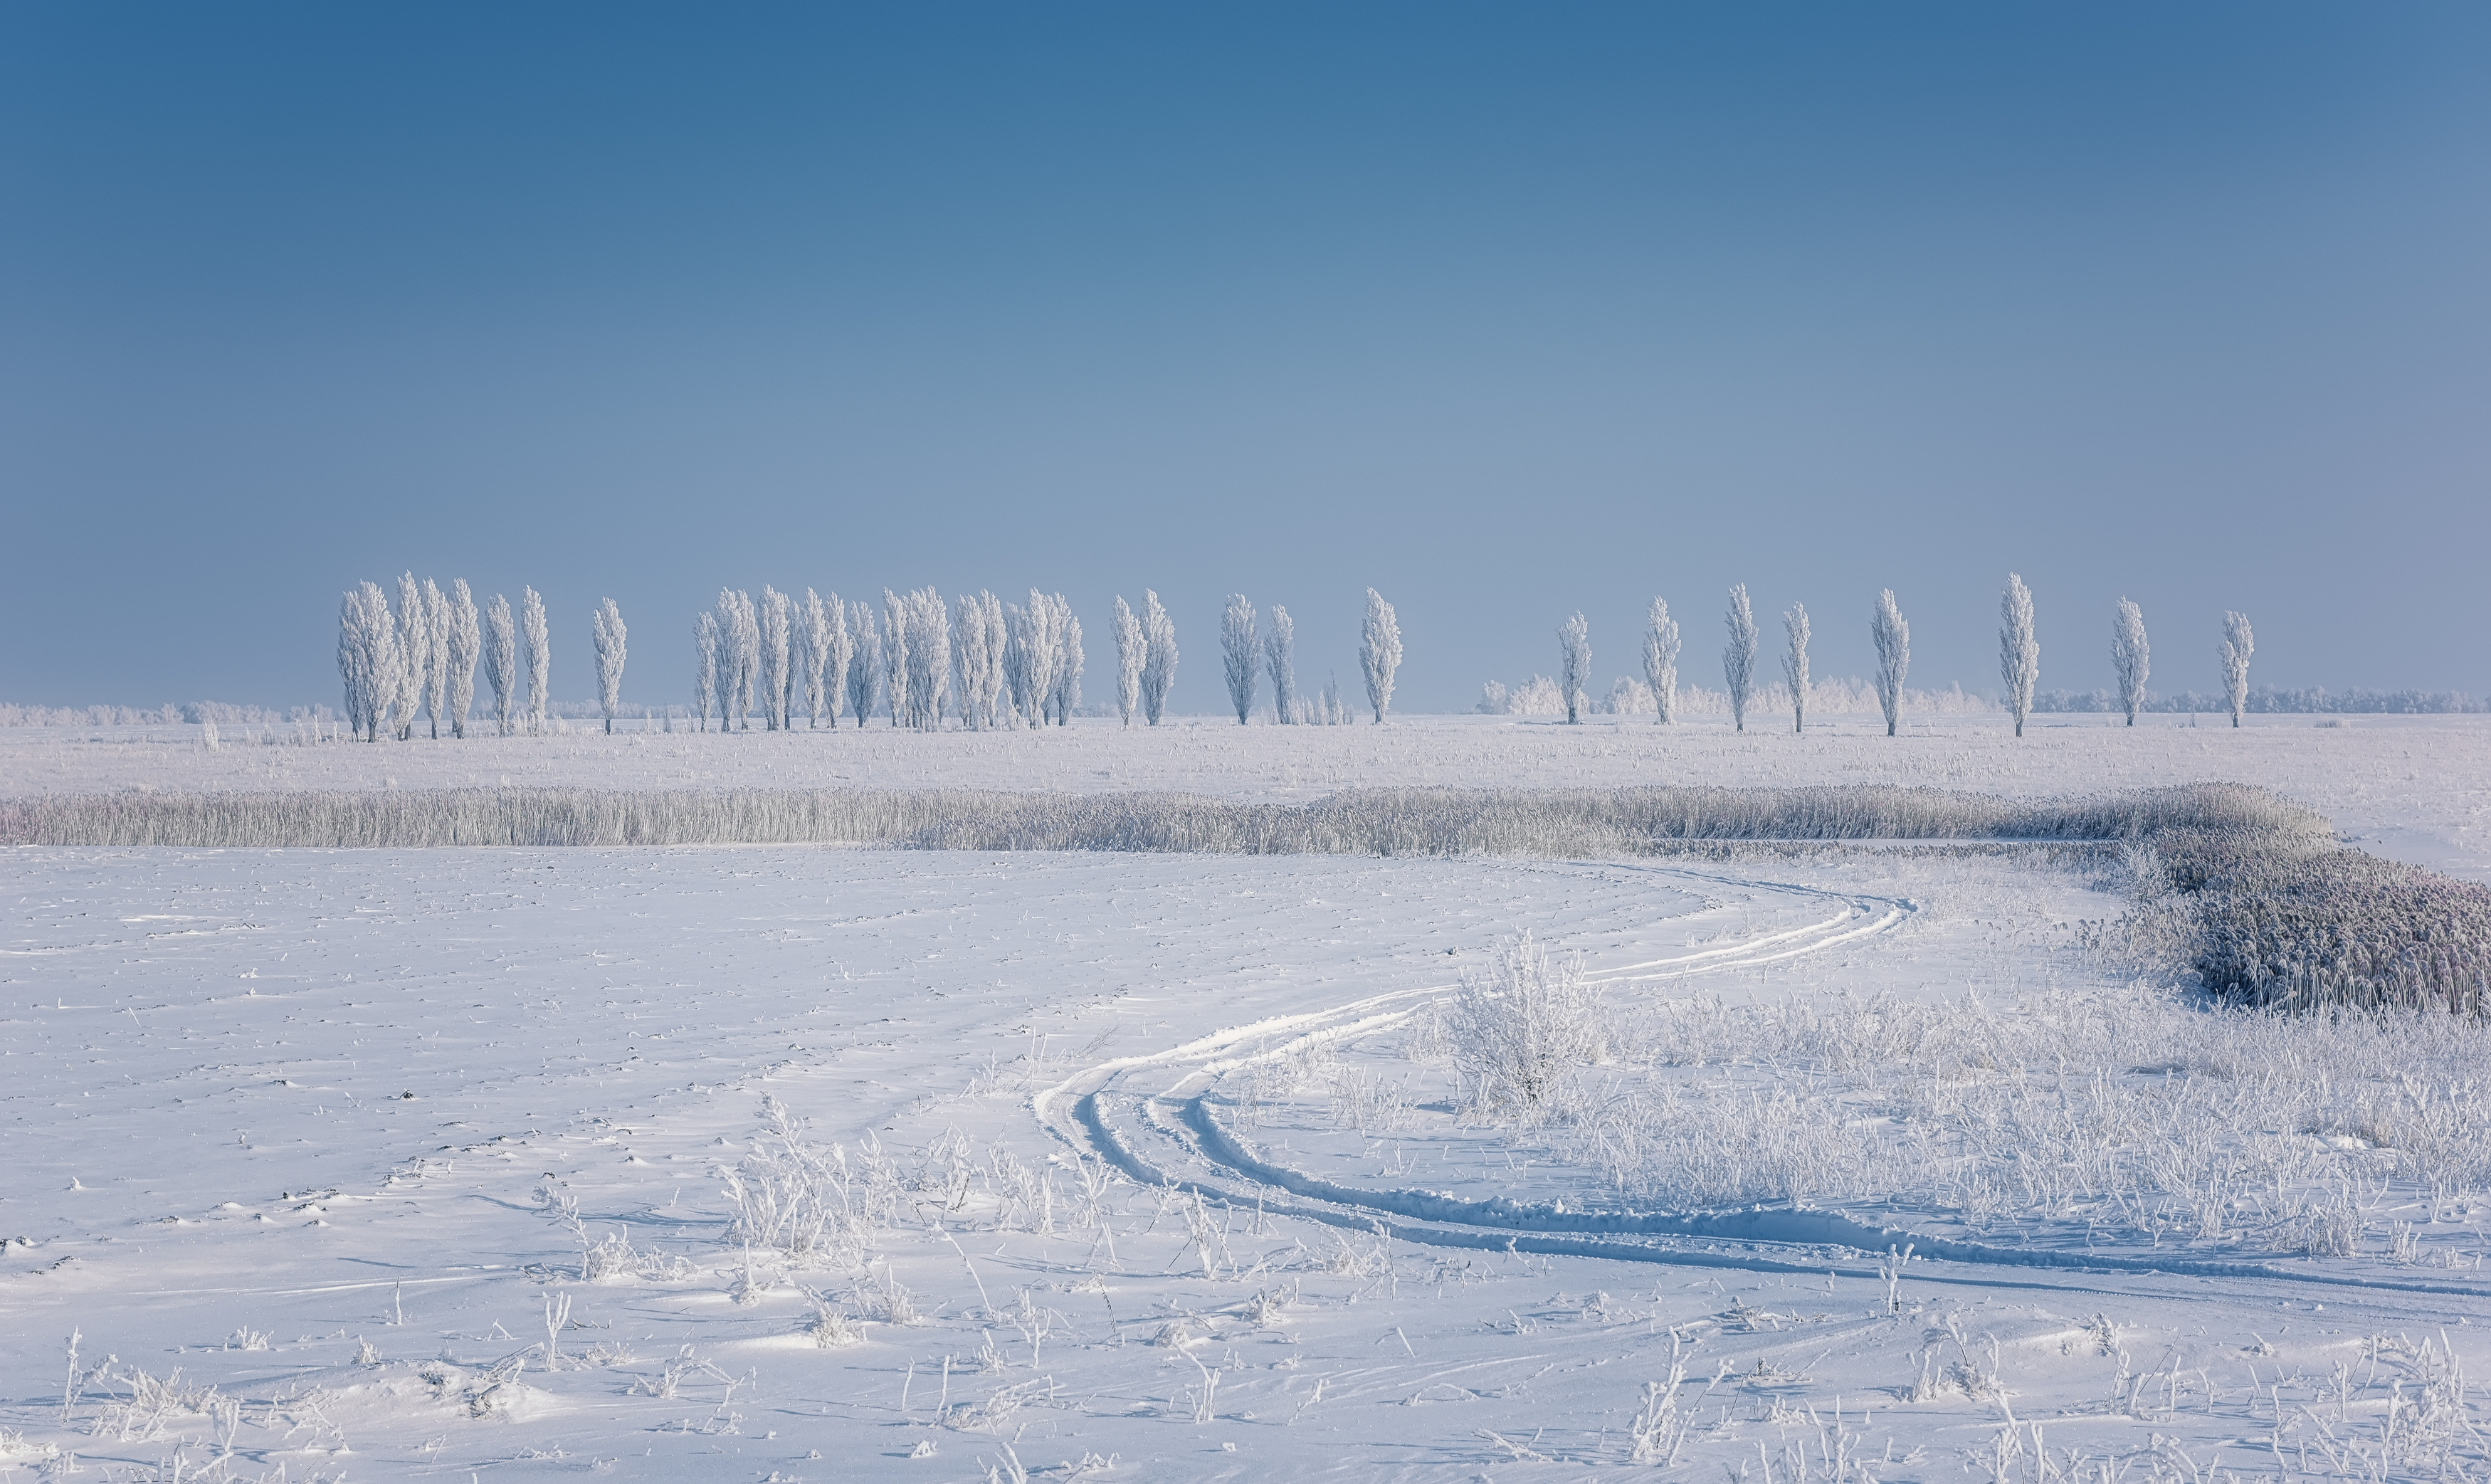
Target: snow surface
264 1108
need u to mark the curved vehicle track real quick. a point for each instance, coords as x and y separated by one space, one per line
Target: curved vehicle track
1151 1116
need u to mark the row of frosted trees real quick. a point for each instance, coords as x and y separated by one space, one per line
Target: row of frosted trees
2019 656
420 662
985 664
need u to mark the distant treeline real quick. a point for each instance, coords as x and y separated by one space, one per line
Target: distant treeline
2271 699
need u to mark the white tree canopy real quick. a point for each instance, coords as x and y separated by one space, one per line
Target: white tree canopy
2130 656
1893 640
1660 660
1379 653
1739 656
2019 649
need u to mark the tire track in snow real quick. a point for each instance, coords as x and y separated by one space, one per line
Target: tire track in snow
1148 1115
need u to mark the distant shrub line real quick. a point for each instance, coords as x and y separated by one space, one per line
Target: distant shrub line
2239 885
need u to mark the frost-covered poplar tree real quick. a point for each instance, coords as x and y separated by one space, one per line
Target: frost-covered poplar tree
502 660
705 653
773 672
1131 649
1280 655
1573 664
1893 640
746 636
367 659
894 657
812 645
1237 653
2019 649
837 647
466 643
539 659
1795 662
1379 653
414 653
1068 665
2130 656
1739 656
1660 659
926 627
969 660
605 628
2235 655
722 643
1336 711
1159 657
436 655
990 693
865 659
1039 647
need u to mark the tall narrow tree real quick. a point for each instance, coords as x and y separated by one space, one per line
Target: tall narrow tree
605 630
367 659
1281 657
2235 655
1131 650
1739 656
748 658
436 655
1893 640
2130 656
2019 649
705 653
1237 653
811 642
1660 660
838 646
1379 653
502 661
773 671
1573 664
1159 657
894 657
415 655
466 643
539 659
1795 662
724 623
1038 649
1069 661
865 659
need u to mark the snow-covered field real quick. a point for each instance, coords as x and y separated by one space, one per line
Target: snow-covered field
1159 1166
2416 788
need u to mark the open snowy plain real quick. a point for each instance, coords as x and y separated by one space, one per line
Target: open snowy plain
822 1162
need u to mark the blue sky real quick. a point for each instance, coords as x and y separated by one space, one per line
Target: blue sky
1505 310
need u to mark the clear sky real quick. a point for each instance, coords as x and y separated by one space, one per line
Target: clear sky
1504 309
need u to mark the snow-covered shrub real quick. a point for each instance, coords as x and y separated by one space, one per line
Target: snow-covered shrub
1518 1028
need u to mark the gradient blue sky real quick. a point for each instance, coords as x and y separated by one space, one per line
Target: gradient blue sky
1505 310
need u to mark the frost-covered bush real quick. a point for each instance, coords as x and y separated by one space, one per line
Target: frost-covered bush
1518 1028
